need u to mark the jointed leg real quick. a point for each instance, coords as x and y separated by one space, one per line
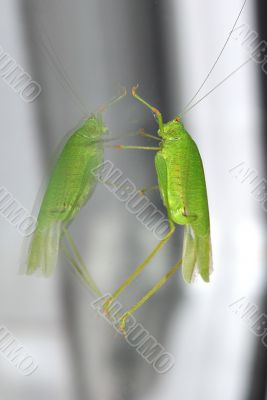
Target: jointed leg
104 107
141 132
149 294
121 146
153 109
74 248
140 268
83 274
79 266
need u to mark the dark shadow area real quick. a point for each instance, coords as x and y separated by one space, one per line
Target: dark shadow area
259 367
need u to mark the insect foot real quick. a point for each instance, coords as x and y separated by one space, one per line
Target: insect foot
122 323
106 307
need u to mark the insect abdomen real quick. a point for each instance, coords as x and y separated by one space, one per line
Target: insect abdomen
186 183
71 182
174 152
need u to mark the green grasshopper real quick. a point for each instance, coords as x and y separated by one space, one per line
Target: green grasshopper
69 188
183 191
182 186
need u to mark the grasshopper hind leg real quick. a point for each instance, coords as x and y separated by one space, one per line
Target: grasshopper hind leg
149 294
78 264
140 268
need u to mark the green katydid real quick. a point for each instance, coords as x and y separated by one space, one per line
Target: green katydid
70 185
183 191
182 186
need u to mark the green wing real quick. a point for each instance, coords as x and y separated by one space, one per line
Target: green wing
161 169
189 254
70 185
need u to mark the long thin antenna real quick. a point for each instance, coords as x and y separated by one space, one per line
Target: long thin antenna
57 64
62 73
219 84
217 59
60 69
